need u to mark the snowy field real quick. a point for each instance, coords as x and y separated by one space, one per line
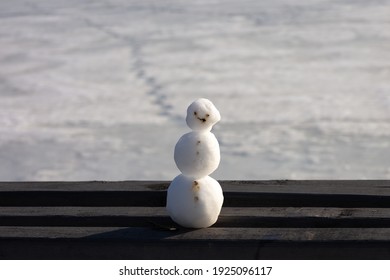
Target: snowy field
98 90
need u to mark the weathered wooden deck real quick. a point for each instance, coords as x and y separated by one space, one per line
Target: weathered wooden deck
259 220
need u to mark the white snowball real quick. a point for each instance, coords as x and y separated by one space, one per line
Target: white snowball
194 203
197 154
202 115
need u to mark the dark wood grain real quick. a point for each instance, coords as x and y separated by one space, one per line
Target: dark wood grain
279 219
260 217
366 187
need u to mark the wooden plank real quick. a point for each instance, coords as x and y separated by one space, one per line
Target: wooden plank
85 186
81 198
326 212
113 249
158 199
247 194
239 199
364 187
230 217
206 235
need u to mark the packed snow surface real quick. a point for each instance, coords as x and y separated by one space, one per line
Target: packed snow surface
95 89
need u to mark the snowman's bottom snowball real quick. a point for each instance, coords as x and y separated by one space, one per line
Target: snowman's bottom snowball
194 203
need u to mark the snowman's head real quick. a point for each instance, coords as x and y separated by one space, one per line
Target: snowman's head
202 115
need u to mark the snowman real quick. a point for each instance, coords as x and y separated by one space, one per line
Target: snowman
194 199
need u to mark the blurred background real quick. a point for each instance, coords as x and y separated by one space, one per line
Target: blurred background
98 90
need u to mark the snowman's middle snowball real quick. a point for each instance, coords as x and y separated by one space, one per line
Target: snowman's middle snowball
197 154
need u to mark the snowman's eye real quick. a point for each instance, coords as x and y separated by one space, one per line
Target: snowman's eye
195 113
